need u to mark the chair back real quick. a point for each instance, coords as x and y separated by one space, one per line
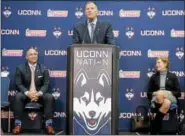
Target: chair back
5 81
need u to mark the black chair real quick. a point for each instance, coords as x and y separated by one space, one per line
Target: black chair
32 117
5 105
170 121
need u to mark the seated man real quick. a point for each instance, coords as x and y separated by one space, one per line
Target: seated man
32 81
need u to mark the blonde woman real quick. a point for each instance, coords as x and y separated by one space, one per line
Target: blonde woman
163 90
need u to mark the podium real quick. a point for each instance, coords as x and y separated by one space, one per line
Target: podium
92 88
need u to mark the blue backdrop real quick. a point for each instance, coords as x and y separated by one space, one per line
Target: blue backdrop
143 31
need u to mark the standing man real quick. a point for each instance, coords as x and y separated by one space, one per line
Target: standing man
32 81
93 31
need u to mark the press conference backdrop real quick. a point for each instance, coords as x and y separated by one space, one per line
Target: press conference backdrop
143 31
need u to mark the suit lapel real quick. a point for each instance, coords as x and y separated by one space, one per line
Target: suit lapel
36 72
96 31
28 72
158 79
86 37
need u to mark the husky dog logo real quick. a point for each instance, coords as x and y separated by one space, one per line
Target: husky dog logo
181 116
150 72
56 93
179 53
4 72
116 33
129 32
151 12
57 32
130 94
32 115
166 117
78 13
92 105
7 11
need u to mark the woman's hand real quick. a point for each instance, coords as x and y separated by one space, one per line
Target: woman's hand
164 93
159 98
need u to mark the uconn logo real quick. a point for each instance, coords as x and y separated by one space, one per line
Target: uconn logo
151 71
179 53
105 13
4 72
7 11
78 12
92 103
152 33
151 12
178 73
59 115
129 32
56 93
13 32
55 53
32 115
130 53
173 12
129 94
29 12
127 115
57 32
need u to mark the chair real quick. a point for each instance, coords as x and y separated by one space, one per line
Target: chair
170 121
32 117
5 81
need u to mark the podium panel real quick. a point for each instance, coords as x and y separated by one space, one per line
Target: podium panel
92 94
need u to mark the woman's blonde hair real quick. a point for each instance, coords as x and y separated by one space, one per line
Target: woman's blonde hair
164 60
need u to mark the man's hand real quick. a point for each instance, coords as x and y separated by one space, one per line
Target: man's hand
31 94
36 97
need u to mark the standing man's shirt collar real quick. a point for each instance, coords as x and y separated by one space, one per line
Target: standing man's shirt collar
94 22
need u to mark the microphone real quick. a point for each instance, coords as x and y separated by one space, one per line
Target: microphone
83 41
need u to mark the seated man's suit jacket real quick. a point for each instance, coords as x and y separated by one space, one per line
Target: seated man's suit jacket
23 78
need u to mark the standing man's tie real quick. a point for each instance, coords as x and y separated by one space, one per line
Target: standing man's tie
92 31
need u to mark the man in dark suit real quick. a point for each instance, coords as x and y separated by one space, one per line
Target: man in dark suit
32 81
93 31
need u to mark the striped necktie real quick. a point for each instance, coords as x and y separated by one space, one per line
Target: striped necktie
32 86
92 31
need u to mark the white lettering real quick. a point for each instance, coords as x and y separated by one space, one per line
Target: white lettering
152 32
55 52
127 115
59 115
29 12
130 53
92 54
143 94
105 13
179 73
173 12
10 32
